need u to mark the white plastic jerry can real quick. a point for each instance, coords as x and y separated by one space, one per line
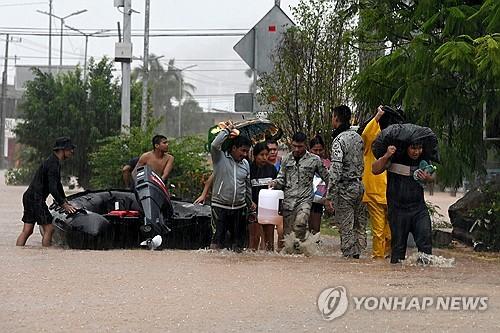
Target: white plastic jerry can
270 207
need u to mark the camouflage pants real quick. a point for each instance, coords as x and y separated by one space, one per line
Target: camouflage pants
351 217
297 220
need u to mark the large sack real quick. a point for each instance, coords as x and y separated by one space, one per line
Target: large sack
402 135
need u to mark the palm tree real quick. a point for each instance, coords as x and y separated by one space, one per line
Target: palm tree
164 85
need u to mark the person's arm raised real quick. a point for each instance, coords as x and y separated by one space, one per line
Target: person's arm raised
382 163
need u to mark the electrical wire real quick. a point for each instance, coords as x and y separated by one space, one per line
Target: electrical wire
22 4
43 33
138 30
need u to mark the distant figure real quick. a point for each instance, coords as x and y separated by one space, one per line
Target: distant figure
47 181
158 159
273 157
127 169
317 147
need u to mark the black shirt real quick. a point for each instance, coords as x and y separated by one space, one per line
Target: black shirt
404 191
47 181
260 177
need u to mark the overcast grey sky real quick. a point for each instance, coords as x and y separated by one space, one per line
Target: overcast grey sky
219 70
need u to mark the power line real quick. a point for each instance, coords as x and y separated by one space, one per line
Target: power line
42 49
218 70
22 4
176 60
44 33
215 79
138 30
212 95
222 82
206 59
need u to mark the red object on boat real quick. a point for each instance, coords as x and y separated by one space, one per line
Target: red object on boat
124 213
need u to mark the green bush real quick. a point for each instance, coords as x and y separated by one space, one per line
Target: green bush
19 176
190 167
114 152
29 161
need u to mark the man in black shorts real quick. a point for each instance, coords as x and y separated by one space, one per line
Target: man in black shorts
47 181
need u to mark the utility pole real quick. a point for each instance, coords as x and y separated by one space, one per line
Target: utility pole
127 39
61 46
181 86
181 83
3 106
255 73
50 36
145 68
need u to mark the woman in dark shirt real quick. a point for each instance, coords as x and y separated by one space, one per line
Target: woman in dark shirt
261 172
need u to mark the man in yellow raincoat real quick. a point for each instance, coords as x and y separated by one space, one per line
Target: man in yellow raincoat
375 188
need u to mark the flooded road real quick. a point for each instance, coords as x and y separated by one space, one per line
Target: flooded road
57 290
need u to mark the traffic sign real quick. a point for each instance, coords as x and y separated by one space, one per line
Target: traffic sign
258 45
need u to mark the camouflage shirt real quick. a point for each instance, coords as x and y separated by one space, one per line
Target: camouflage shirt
347 163
296 178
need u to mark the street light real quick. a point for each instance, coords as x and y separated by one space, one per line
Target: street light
62 27
86 44
179 70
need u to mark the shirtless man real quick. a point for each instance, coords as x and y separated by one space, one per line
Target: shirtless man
158 159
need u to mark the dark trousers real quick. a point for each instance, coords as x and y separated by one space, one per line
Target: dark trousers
405 220
232 221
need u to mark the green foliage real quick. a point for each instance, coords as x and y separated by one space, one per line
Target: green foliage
18 176
191 168
487 215
442 62
327 228
313 63
24 174
190 165
87 111
114 152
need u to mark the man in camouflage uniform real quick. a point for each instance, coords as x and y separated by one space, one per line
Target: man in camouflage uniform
296 179
345 189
